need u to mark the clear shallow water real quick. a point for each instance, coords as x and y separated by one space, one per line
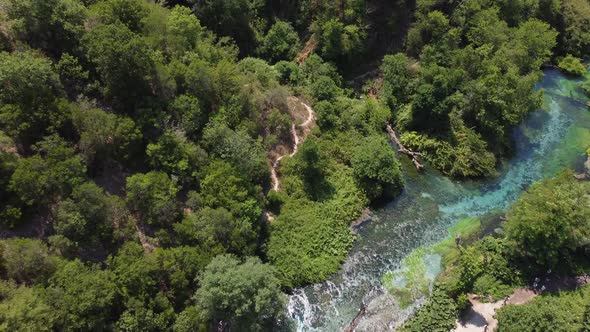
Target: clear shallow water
552 138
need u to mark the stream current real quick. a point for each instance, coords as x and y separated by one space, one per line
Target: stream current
551 139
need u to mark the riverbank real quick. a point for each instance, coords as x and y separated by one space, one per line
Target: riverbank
549 140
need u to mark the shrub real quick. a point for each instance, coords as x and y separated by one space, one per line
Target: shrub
572 65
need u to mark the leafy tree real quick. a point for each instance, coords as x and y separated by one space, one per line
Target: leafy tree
183 30
576 22
240 150
38 180
324 88
430 28
104 135
289 72
72 74
153 197
486 27
550 222
239 295
377 169
85 217
339 41
438 314
82 297
532 45
178 267
265 74
217 231
173 154
223 186
134 274
157 316
26 261
122 61
24 309
131 13
233 18
397 79
311 166
280 43
53 25
29 104
186 113
572 65
327 114
8 163
561 312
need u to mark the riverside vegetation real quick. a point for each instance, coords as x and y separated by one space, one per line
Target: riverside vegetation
136 142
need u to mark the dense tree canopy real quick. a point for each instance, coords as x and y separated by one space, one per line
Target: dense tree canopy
174 165
551 221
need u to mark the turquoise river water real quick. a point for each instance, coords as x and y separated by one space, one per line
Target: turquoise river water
552 138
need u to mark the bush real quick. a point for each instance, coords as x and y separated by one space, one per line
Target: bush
437 315
490 286
572 65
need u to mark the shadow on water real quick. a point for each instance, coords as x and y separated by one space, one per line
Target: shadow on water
553 138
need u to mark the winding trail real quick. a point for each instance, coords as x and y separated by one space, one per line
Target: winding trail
297 140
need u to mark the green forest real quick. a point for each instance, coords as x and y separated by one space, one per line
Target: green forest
182 165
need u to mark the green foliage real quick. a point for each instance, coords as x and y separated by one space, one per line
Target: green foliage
474 82
40 180
185 111
240 295
71 73
377 169
104 135
240 150
550 222
153 196
26 260
86 217
576 27
438 314
265 74
489 286
324 88
561 312
339 41
234 18
309 240
533 42
24 309
280 43
429 28
131 13
184 30
217 231
81 296
572 65
133 274
224 187
397 79
52 25
122 61
29 98
174 154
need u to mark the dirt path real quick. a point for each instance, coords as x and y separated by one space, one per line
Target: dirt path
481 315
298 138
144 239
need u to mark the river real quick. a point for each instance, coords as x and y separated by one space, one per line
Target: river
552 138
